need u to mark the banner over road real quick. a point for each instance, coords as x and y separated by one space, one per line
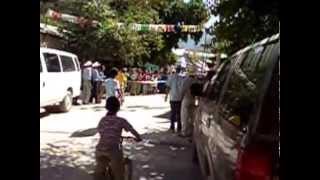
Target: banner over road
163 28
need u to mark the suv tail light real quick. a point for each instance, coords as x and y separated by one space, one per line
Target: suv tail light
254 163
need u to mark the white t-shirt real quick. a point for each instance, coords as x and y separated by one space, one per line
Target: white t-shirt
112 87
175 83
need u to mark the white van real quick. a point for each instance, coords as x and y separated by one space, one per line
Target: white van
60 78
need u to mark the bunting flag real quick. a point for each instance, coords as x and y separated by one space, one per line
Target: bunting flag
69 18
162 28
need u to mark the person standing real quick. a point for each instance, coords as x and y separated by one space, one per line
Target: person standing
101 70
86 82
122 79
163 78
127 77
96 84
141 78
174 88
155 78
113 86
134 84
187 104
146 86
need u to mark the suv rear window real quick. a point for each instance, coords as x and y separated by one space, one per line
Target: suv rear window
52 62
67 64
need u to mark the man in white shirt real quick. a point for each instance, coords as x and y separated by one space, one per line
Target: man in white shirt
174 88
113 86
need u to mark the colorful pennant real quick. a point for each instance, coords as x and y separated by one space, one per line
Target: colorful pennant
163 28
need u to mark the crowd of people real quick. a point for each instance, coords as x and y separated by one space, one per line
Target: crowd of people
177 82
98 81
180 85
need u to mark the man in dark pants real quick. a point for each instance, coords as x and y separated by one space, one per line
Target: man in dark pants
174 88
96 84
86 82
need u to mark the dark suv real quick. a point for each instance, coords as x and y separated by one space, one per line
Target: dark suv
236 129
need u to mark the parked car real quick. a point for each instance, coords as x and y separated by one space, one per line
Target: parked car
60 78
236 128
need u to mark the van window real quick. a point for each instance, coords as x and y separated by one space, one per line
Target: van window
77 64
215 87
269 117
40 66
241 92
67 64
52 62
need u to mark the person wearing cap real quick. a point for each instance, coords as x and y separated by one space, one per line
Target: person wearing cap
86 82
174 88
187 104
96 84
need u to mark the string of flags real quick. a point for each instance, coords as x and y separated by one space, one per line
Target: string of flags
163 28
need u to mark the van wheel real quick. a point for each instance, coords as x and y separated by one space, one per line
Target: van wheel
66 104
75 101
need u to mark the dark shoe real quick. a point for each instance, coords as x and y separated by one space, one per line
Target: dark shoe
171 130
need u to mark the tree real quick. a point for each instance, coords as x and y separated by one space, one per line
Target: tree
242 22
121 45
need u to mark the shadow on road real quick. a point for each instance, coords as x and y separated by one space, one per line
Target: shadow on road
95 108
162 155
145 107
85 133
60 162
63 172
164 116
44 114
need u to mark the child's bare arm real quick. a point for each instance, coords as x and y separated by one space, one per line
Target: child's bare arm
128 127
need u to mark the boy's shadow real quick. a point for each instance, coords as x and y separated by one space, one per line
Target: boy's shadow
85 133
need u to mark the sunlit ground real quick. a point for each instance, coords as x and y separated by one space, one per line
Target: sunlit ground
68 142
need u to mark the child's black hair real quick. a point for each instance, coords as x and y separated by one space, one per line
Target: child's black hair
113 73
112 105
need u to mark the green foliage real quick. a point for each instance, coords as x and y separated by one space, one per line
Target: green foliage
122 46
243 22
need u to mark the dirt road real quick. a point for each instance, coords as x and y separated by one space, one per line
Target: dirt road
65 154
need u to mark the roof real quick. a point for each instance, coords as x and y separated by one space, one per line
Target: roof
48 29
56 51
267 40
